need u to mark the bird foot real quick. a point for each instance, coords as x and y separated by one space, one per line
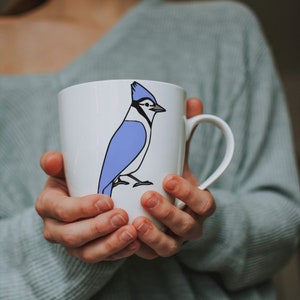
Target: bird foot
119 181
142 183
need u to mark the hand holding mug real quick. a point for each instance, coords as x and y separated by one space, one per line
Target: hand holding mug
181 225
88 227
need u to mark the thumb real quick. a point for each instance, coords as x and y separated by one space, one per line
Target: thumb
194 107
52 164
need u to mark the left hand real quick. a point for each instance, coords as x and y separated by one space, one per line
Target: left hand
182 225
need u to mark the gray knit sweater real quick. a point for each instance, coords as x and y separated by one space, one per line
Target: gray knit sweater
217 52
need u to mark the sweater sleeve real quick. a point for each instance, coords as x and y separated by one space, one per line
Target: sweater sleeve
257 222
31 268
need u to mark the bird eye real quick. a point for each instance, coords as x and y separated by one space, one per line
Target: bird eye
146 103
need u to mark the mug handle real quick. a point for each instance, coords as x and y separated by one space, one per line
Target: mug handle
190 125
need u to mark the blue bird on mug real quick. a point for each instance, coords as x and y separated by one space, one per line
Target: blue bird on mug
129 144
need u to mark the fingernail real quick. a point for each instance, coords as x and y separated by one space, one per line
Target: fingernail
118 220
126 236
171 184
143 227
151 201
103 204
47 155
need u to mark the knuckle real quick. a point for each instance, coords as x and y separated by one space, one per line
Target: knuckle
69 239
86 255
187 226
97 227
40 202
213 206
62 213
197 234
83 206
208 206
109 247
186 191
48 236
154 241
168 213
172 249
38 207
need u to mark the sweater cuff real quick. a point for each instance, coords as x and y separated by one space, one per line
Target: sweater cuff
36 269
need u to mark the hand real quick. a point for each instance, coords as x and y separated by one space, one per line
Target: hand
88 227
182 225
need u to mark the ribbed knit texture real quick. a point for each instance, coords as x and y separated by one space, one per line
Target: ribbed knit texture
217 52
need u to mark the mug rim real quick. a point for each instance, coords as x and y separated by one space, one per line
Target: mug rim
95 82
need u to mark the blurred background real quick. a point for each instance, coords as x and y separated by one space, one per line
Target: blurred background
280 21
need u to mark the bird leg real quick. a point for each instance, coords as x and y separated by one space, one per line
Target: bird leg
139 182
119 181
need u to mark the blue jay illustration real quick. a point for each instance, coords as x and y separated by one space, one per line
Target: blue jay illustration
129 144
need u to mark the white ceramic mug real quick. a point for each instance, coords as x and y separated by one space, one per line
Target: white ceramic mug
122 137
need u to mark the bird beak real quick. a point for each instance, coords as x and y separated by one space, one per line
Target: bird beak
157 108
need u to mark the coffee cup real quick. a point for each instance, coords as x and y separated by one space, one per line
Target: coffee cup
122 137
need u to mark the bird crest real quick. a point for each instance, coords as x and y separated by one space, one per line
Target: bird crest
139 93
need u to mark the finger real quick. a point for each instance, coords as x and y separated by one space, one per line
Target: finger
189 176
102 249
74 235
177 221
164 245
131 249
54 203
199 201
52 163
146 252
58 185
194 107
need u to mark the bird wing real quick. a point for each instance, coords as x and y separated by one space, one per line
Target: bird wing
125 145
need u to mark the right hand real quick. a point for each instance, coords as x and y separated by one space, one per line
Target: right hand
88 227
